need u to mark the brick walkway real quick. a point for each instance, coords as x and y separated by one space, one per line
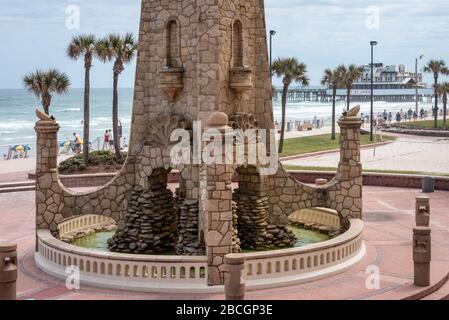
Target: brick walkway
389 219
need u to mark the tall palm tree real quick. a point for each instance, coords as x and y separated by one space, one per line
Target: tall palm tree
84 46
333 79
443 91
349 76
44 84
121 50
290 70
436 67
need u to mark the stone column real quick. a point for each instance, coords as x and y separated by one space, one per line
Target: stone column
8 271
422 255
47 162
234 284
349 172
218 213
422 211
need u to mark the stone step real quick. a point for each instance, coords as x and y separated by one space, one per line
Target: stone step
8 185
17 189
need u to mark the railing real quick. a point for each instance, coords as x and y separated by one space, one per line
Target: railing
323 216
121 271
272 265
189 274
82 222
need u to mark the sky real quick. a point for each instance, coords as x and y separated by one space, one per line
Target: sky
321 33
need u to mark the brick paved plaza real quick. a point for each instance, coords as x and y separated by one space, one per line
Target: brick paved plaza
389 219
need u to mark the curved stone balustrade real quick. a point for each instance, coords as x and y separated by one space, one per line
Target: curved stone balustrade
79 223
290 266
189 274
322 216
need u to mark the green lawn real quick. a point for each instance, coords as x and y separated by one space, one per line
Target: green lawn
303 145
425 124
330 169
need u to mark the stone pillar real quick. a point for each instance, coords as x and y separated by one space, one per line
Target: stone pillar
422 211
47 162
234 284
8 271
349 167
349 173
422 255
218 215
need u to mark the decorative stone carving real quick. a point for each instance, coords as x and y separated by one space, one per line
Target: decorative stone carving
243 121
160 130
240 79
171 81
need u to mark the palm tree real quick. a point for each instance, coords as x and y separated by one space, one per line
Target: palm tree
290 69
121 50
436 67
333 79
349 76
84 46
44 84
443 90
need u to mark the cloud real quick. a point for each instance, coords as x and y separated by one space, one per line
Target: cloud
322 33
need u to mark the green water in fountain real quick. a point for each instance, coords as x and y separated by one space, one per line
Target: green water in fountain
99 240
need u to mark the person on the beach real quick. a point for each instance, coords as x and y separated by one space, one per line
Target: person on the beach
106 140
111 140
78 143
398 117
410 114
390 117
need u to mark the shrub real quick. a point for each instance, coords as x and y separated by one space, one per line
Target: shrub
96 158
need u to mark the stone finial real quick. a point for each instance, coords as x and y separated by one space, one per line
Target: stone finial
8 271
353 112
422 255
43 116
422 211
218 120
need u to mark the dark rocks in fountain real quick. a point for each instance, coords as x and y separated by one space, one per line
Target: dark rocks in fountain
150 222
188 240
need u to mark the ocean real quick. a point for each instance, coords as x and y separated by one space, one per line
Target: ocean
17 116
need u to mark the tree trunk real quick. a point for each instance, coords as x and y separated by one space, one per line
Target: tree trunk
436 103
46 101
444 111
284 110
334 94
348 97
118 152
86 137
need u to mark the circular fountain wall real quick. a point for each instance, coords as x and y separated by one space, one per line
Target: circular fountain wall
188 274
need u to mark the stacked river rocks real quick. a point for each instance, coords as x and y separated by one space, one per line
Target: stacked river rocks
150 222
252 212
188 243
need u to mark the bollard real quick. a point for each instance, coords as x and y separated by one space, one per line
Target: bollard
321 182
422 255
422 211
8 271
234 284
428 184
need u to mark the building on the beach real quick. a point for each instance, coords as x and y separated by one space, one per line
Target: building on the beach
391 83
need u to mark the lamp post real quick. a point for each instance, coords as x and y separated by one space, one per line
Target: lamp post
417 82
272 34
372 43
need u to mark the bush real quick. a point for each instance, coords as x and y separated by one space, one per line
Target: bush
96 158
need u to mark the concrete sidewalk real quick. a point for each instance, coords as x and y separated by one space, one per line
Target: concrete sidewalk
407 153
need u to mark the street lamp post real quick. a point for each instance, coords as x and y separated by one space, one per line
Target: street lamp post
272 34
417 83
372 43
